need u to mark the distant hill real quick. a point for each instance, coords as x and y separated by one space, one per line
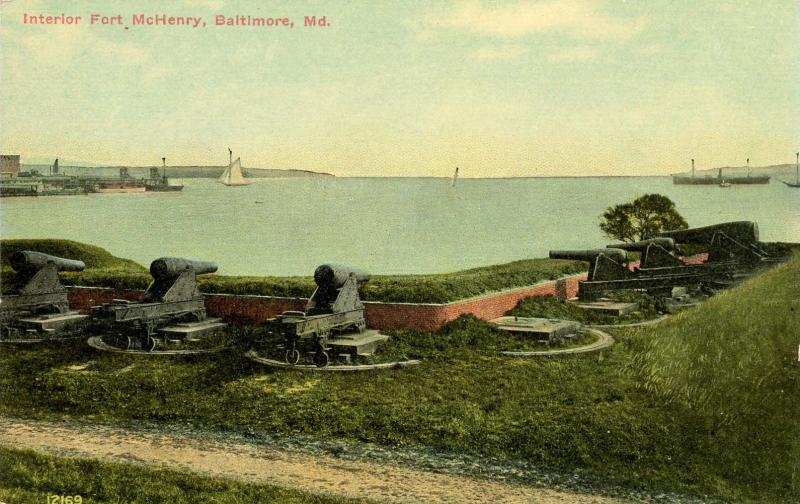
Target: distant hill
172 171
781 171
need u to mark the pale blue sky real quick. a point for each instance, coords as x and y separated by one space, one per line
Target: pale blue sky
411 88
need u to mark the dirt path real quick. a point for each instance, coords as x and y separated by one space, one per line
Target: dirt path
286 468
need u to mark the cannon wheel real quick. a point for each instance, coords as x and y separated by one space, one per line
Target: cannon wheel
151 344
292 356
321 358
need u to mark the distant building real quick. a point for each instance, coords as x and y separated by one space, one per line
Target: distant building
9 164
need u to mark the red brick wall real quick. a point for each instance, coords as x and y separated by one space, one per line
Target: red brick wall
250 309
487 307
257 309
83 298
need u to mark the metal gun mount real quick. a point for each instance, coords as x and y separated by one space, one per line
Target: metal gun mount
337 290
741 231
173 296
40 305
334 308
604 264
175 279
728 241
42 292
655 252
608 271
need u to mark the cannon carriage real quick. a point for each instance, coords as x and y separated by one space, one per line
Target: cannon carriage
734 242
335 308
172 297
39 307
733 252
609 272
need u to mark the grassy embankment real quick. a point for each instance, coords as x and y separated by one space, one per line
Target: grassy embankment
705 403
106 270
29 477
552 307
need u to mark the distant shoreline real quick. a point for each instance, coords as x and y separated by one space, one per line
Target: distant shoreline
214 171
189 171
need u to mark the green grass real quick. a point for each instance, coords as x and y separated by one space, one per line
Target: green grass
705 403
101 266
463 336
29 477
552 307
733 360
106 270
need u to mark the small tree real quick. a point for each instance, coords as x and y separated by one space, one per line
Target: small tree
642 218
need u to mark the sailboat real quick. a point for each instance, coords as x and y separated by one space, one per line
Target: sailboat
455 177
796 182
232 176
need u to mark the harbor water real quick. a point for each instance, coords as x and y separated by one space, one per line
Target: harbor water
288 226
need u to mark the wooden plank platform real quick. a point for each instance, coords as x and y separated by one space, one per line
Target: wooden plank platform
363 343
193 330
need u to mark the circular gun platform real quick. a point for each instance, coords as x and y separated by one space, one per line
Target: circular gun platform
632 324
604 340
97 343
254 356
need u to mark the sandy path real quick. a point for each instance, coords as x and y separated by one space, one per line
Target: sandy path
292 469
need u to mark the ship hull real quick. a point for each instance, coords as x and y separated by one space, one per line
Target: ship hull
716 180
121 189
165 188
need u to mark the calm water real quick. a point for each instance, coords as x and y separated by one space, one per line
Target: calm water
289 226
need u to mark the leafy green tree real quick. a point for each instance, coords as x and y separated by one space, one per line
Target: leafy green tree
642 218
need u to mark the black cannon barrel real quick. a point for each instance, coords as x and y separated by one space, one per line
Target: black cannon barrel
741 231
30 260
615 254
335 275
641 246
164 267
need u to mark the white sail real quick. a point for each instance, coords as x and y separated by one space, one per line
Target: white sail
233 174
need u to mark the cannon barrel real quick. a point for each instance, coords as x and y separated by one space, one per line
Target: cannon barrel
29 260
615 254
641 246
334 275
741 231
165 267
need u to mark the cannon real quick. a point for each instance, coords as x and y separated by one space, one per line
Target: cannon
334 308
735 242
39 306
608 271
31 262
741 231
172 297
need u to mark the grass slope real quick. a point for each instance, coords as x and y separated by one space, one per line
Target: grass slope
29 477
733 360
106 270
707 402
101 266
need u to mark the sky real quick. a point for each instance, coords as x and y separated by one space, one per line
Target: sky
409 88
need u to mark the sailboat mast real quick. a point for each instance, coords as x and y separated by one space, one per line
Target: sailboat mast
797 167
